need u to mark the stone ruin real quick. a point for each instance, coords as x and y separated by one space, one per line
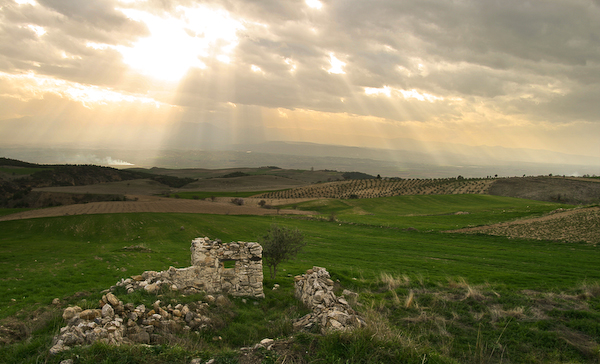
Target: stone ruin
234 268
315 290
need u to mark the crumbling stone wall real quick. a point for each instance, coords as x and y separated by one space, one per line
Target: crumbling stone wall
315 289
234 268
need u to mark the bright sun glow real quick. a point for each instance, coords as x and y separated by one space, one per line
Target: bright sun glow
292 65
39 31
386 90
336 65
406 94
23 2
315 4
178 43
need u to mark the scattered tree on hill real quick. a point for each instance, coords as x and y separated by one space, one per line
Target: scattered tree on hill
280 244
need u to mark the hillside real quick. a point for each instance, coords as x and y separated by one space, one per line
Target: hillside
18 179
567 190
424 293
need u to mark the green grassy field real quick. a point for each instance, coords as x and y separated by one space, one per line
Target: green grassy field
438 296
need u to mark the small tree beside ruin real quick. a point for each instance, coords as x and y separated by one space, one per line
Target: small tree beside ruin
280 244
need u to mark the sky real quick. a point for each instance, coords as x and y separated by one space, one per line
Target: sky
155 74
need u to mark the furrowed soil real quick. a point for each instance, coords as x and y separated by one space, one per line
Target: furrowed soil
575 225
220 206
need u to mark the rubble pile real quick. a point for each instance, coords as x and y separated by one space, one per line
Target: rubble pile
116 323
315 289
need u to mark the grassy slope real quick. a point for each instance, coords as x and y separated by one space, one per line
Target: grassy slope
41 259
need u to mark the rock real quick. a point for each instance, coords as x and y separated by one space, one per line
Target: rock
71 312
112 299
189 316
349 294
334 324
151 288
58 348
56 301
67 361
222 301
108 311
184 310
70 339
141 337
90 314
318 296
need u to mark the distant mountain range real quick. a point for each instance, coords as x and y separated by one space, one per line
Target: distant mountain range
405 158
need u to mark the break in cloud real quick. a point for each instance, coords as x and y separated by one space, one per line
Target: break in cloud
187 73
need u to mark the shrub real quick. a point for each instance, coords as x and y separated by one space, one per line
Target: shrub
237 201
280 244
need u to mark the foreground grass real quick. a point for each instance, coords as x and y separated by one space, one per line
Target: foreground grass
431 296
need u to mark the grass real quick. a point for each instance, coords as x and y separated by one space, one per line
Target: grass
433 296
4 212
432 212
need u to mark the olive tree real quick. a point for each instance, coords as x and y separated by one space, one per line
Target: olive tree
280 244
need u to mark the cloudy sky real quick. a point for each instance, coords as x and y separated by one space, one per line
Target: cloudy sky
189 73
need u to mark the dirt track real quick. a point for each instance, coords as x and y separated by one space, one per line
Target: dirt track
152 204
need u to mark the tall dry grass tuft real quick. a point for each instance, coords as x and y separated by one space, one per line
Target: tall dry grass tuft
589 290
474 293
392 282
395 297
497 312
381 329
409 299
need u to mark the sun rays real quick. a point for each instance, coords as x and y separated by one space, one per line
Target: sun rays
181 40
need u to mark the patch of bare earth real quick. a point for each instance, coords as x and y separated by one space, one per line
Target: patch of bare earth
153 204
576 225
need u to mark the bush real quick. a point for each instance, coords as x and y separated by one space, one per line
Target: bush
280 244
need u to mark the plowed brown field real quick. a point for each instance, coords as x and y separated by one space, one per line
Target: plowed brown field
154 204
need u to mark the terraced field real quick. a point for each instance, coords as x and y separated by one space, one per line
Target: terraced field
373 188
